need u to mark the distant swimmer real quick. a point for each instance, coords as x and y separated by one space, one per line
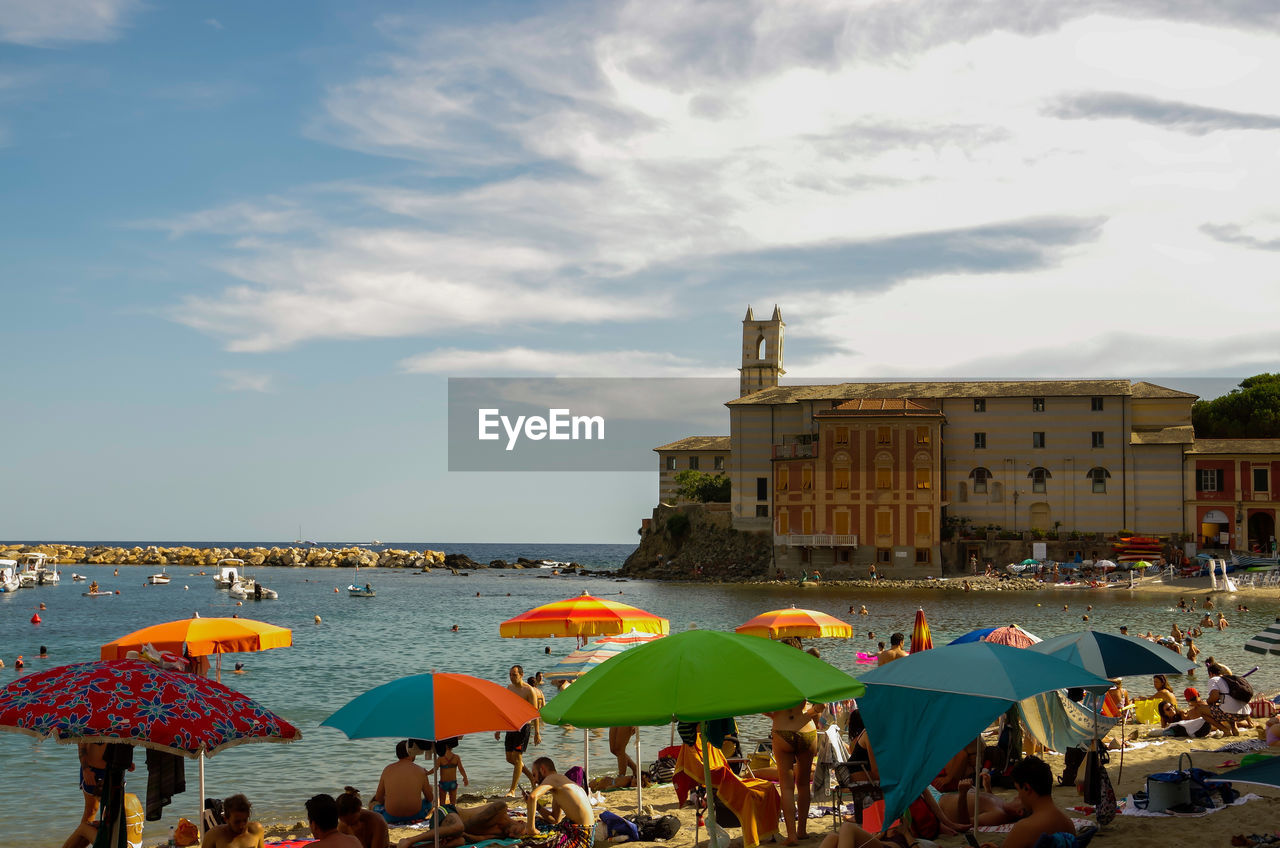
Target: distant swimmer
117 572
42 606
317 619
863 610
44 652
18 663
239 668
454 628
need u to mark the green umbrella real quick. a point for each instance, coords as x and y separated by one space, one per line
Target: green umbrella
698 676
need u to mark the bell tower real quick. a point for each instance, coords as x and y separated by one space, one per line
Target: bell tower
761 352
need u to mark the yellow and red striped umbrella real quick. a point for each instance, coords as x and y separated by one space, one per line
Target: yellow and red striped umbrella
802 623
584 615
921 638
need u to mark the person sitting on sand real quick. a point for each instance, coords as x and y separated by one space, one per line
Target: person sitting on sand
795 744
572 820
449 763
1197 708
1033 781
365 825
993 811
238 832
895 652
1164 691
1272 733
1224 708
474 824
1174 722
404 790
322 818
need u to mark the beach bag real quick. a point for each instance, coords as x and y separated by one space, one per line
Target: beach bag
1238 687
655 828
1204 789
616 826
1166 789
662 770
185 834
577 775
1106 808
1094 761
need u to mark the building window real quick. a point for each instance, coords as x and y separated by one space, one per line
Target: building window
671 463
783 478
718 463
762 510
842 436
1099 477
1099 441
1209 480
806 522
884 478
1039 476
922 556
924 522
762 489
1037 439
980 476
784 522
884 436
693 463
806 477
805 556
979 404
979 441
842 478
922 436
884 523
1095 403
1261 480
1037 404
924 478
842 556
884 555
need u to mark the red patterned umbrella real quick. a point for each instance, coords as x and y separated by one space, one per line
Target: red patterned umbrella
921 638
137 703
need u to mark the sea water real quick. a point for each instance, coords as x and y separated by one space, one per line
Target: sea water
361 643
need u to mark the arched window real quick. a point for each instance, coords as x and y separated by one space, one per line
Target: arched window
760 348
980 476
1099 476
1038 476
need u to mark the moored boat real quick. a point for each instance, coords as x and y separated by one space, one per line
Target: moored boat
9 575
228 572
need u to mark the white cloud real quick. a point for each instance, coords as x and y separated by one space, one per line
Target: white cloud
613 153
247 381
213 23
553 363
44 23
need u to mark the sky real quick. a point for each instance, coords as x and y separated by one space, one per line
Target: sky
245 245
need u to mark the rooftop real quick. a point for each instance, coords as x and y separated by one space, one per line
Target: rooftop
871 407
1236 446
1180 435
956 389
697 443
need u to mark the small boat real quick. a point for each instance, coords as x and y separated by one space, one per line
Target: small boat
96 594
78 577
160 579
365 591
228 573
242 588
9 575
41 568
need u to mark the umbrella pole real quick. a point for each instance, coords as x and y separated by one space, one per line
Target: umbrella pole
639 782
977 782
1124 743
586 757
201 817
706 776
435 770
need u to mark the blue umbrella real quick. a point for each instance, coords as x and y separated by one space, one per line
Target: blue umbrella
921 709
973 636
1113 655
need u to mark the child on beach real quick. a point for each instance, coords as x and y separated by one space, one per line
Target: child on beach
449 764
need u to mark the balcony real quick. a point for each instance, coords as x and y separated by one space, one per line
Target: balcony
799 446
816 540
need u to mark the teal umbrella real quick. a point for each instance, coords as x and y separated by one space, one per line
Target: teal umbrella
698 676
1113 655
922 709
1266 642
1265 772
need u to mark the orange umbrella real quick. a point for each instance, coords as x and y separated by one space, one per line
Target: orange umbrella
921 638
582 616
201 637
802 623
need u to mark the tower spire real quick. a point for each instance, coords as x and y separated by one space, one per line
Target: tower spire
751 316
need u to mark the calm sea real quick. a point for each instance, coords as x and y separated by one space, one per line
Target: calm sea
362 643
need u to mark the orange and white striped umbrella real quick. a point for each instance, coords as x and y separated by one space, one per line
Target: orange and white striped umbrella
921 638
802 623
584 615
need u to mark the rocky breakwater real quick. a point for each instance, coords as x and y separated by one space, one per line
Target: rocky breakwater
287 557
698 542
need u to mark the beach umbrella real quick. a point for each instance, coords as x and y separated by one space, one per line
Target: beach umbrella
921 638
201 637
1113 655
1011 635
801 623
1030 561
921 709
1264 772
1266 642
584 659
1105 565
698 675
582 616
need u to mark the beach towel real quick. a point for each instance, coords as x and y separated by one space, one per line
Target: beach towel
1060 723
1245 746
1080 824
756 803
1129 809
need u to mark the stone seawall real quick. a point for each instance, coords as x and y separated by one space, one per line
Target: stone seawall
698 542
284 557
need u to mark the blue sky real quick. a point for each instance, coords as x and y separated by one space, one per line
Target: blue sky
245 244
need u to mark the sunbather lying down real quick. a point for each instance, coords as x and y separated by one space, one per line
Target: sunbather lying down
475 824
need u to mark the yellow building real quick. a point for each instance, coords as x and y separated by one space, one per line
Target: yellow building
697 453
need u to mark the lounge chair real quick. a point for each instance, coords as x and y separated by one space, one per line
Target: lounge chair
755 802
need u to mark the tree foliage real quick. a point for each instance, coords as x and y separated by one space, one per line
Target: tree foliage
702 487
1251 411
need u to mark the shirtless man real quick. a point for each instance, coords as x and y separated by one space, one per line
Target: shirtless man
993 810
93 771
404 790
895 650
322 816
1033 781
795 744
238 832
517 742
365 825
475 824
572 819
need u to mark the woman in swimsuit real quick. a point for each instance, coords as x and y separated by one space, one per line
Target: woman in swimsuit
795 743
